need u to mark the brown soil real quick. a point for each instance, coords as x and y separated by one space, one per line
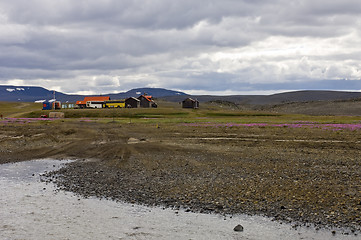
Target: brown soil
310 176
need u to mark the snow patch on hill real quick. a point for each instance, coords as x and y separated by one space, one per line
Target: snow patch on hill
15 89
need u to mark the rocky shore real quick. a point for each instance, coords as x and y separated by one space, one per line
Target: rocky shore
301 176
221 193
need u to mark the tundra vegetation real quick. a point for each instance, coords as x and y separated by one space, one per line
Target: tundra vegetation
296 168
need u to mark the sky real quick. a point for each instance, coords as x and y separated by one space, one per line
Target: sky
198 47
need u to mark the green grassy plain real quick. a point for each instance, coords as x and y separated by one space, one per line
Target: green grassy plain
172 113
18 109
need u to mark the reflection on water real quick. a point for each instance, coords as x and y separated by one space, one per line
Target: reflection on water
31 209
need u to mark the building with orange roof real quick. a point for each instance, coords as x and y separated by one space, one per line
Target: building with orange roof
146 101
82 103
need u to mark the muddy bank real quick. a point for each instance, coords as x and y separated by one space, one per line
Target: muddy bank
314 180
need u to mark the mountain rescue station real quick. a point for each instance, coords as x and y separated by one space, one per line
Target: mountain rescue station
143 101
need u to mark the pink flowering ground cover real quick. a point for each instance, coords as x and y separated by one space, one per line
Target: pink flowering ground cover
24 120
324 126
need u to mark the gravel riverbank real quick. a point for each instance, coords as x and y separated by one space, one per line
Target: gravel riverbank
207 192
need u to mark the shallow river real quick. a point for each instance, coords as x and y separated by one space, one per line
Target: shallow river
31 209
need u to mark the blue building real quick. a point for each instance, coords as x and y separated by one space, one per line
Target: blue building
47 106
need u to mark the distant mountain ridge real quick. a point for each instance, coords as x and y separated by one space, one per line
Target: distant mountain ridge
279 98
32 94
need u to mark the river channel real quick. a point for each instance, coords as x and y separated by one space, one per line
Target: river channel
32 209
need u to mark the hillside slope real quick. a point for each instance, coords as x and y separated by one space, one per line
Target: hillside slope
31 94
331 108
296 96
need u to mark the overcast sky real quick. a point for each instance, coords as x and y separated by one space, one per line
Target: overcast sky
199 47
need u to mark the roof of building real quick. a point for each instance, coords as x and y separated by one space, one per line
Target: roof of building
132 98
97 98
100 98
148 98
190 99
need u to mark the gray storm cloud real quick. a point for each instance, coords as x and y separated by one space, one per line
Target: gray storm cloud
195 46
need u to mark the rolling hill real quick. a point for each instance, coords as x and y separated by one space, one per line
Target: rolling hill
287 97
32 94
283 102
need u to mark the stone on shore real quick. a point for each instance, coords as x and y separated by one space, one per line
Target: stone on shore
238 228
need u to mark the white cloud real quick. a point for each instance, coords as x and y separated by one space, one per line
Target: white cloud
197 46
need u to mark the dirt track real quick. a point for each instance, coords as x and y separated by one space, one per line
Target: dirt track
303 175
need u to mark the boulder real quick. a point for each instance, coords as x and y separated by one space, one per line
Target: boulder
238 228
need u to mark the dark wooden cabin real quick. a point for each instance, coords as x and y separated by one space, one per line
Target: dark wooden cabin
190 103
132 102
146 101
